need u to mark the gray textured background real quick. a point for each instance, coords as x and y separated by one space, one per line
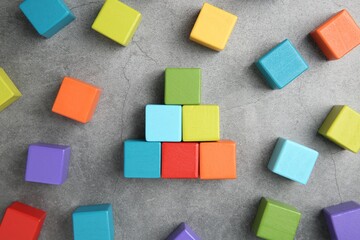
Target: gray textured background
251 114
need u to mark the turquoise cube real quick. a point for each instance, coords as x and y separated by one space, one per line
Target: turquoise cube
93 222
163 123
292 160
142 159
281 65
47 16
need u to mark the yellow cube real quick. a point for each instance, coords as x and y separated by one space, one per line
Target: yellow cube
342 126
213 27
8 91
201 123
117 21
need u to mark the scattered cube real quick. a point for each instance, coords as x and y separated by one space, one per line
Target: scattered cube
117 21
213 27
93 222
183 86
8 91
142 159
276 220
47 16
163 123
180 160
201 123
343 220
183 232
76 100
47 163
292 160
218 160
22 221
342 126
281 65
337 36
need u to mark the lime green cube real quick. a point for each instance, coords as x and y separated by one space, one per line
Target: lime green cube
8 91
183 86
276 220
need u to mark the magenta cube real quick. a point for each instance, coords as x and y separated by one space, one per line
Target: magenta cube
47 163
183 232
343 220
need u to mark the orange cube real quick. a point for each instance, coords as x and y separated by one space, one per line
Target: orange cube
337 36
218 160
76 100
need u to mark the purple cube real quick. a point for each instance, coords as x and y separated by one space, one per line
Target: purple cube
343 220
183 232
47 163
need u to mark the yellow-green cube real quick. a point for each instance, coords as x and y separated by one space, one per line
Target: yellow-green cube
201 123
8 91
342 126
117 21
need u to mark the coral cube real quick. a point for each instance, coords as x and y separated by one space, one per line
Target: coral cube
343 220
183 232
47 16
22 221
342 126
276 220
47 163
218 160
8 91
337 36
163 123
93 222
117 21
180 160
76 100
183 86
201 123
213 27
292 160
281 65
142 159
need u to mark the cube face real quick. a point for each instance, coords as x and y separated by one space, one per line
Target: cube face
183 232
93 222
281 65
218 160
213 27
201 123
183 86
276 220
142 159
47 16
8 91
337 36
163 123
292 160
117 21
180 160
47 163
342 126
76 100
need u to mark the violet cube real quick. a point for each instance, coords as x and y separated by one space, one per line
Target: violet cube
343 220
183 232
47 163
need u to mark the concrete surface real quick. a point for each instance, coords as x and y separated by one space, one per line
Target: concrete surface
132 77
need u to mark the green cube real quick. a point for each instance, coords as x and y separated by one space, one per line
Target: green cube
276 220
183 86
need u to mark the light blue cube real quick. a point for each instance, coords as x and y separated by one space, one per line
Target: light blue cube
47 16
93 222
281 65
292 160
163 123
142 159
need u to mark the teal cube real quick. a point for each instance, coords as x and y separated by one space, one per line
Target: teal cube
292 160
93 222
281 65
142 159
